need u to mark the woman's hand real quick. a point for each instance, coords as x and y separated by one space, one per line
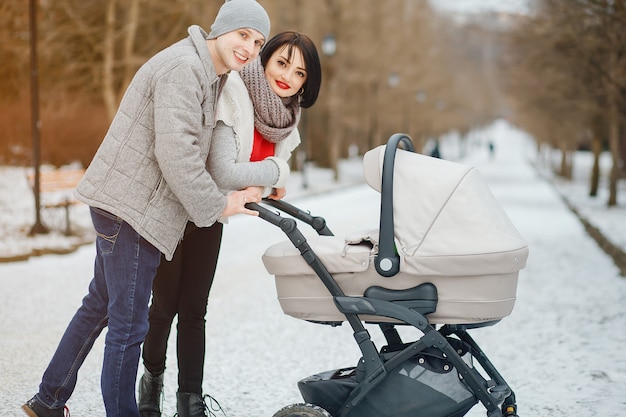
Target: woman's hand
277 193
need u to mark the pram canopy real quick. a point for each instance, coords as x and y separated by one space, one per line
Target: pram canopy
446 220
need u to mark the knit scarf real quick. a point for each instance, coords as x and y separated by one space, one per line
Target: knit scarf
274 117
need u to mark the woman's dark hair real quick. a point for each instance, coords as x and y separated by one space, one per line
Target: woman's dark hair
311 61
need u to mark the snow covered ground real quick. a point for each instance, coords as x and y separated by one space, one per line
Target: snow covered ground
561 349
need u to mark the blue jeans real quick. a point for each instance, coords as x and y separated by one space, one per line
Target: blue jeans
118 296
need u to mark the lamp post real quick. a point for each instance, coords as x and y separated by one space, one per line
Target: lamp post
329 48
372 114
38 227
420 98
302 152
393 81
329 45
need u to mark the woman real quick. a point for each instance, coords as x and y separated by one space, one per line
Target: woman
255 134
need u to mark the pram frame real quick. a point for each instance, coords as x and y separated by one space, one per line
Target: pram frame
495 394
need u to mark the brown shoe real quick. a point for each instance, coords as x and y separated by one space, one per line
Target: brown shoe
34 408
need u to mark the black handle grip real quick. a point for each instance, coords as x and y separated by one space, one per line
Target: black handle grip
318 223
387 262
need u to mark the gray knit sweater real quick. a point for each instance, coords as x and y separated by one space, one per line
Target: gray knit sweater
150 168
233 138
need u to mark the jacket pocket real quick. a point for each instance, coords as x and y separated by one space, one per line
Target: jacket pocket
107 227
208 124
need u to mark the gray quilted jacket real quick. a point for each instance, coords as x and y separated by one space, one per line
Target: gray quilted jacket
150 169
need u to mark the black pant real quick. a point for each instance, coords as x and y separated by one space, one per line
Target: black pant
182 286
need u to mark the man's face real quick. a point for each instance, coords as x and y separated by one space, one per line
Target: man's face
236 49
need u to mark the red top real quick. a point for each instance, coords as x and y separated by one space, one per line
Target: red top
262 148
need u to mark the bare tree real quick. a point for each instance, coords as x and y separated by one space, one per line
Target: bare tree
398 66
575 51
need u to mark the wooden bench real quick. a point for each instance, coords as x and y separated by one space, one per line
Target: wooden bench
56 190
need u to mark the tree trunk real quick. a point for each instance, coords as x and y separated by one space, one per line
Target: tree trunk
108 83
615 153
130 33
566 161
596 148
613 120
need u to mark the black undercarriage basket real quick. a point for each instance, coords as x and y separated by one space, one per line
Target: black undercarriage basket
424 385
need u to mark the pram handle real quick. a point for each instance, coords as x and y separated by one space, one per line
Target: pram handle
387 262
290 228
316 222
285 224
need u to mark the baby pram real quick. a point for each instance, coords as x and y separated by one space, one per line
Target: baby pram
445 260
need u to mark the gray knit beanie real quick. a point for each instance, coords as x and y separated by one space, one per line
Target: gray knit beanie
240 14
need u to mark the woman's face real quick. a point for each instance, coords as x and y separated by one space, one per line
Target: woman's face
284 76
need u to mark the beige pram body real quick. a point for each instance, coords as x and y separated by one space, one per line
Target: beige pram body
449 230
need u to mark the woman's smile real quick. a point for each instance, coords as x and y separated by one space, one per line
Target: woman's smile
282 85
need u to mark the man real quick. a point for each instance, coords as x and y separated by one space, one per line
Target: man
146 181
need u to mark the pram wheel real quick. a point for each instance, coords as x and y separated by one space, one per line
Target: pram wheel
302 410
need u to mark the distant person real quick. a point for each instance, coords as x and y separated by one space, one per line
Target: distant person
147 179
435 153
492 149
256 132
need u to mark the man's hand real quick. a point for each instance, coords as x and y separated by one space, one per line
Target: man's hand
236 201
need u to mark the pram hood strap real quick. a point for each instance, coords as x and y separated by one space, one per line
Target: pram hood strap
446 219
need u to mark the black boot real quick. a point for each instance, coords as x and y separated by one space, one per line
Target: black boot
189 404
150 391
